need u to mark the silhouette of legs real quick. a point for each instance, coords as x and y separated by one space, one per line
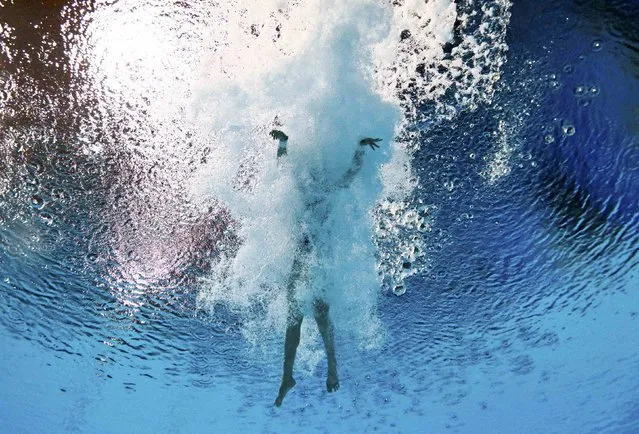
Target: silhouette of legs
293 328
290 350
325 326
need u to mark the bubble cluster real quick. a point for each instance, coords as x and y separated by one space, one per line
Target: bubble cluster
585 93
399 228
499 165
453 61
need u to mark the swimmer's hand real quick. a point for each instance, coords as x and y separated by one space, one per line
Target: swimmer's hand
278 135
368 141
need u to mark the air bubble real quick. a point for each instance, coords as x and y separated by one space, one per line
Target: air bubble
399 290
36 166
37 202
596 45
46 218
568 130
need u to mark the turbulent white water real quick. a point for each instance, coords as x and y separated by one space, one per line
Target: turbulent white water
190 94
316 81
328 74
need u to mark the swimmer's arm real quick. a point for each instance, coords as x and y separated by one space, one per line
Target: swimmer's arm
358 161
283 139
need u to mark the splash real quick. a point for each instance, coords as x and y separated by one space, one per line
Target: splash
328 74
320 91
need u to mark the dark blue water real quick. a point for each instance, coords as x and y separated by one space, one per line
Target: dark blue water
523 318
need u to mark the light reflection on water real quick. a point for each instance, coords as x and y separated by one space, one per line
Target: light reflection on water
98 240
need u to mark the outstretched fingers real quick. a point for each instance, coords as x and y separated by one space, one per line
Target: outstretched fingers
369 141
278 135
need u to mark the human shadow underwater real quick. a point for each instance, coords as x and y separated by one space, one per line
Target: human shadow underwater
317 207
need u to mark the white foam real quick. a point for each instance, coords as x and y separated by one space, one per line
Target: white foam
331 73
320 90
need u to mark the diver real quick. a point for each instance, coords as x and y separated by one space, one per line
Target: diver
316 207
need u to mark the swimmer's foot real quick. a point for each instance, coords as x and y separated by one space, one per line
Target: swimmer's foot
287 384
332 381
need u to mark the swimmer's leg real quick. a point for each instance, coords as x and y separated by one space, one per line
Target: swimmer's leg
291 343
293 330
325 326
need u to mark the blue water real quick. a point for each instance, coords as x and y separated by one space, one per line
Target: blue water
521 318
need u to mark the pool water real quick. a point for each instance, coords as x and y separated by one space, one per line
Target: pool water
482 268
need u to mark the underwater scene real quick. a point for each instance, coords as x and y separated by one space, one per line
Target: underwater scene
321 216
